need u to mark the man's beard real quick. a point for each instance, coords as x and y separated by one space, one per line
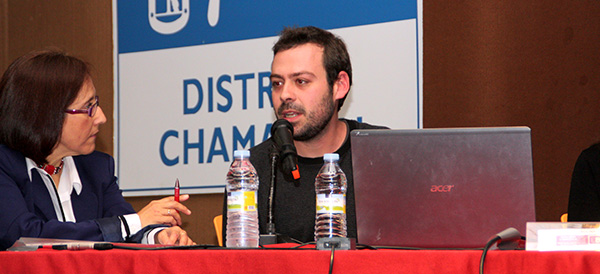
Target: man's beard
316 121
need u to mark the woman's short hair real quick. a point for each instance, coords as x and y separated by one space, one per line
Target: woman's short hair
34 92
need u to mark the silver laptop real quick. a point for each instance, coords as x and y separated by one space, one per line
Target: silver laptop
441 188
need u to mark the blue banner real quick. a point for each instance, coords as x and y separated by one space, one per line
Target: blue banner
164 24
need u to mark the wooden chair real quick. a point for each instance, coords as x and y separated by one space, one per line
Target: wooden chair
218 222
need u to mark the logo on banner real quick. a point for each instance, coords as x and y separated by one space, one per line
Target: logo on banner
172 15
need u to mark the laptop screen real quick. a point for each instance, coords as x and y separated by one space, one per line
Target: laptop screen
441 188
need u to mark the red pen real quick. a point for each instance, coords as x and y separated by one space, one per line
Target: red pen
177 190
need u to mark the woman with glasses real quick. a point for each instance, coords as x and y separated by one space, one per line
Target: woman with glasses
53 184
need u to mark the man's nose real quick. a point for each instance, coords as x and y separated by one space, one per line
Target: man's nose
288 92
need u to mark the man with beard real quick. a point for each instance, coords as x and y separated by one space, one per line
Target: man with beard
311 76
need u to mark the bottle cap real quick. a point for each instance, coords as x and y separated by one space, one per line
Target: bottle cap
241 153
331 157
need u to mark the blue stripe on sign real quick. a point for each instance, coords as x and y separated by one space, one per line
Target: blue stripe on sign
241 20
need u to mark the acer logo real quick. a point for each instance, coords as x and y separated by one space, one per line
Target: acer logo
441 188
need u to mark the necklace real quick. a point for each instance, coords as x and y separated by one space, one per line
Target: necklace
50 169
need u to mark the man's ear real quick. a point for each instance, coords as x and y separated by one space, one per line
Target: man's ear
341 86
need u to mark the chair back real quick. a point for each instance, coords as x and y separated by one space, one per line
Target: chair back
218 222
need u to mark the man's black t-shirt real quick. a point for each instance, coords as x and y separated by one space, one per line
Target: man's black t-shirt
294 204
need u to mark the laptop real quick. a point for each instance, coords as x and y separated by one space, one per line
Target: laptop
441 188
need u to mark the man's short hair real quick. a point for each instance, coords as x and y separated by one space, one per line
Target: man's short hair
335 55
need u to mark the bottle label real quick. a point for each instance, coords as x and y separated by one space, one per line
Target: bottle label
241 201
331 203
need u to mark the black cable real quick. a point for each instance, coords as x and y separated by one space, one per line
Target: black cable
301 245
141 247
331 259
485 250
274 158
376 247
361 246
133 246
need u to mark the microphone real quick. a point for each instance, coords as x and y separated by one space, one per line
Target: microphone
509 235
283 132
82 246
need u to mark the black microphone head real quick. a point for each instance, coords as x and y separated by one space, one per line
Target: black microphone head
281 123
509 234
282 132
508 239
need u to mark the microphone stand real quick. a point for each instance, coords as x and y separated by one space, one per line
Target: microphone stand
271 237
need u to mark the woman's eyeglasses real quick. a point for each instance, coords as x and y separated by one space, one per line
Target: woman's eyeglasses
90 111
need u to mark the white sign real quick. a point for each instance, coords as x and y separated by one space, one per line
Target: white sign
189 94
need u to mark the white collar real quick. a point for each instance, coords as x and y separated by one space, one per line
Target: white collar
69 179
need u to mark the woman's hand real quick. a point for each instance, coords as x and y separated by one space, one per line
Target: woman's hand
173 236
164 211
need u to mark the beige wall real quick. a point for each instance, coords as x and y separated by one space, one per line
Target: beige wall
489 63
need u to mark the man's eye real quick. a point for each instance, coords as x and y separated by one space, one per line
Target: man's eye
276 83
301 81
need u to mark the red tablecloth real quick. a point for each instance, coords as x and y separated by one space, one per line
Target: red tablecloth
295 261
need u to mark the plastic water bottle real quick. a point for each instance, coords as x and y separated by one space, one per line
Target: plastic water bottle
331 186
242 214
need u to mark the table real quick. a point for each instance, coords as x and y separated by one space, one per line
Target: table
114 261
